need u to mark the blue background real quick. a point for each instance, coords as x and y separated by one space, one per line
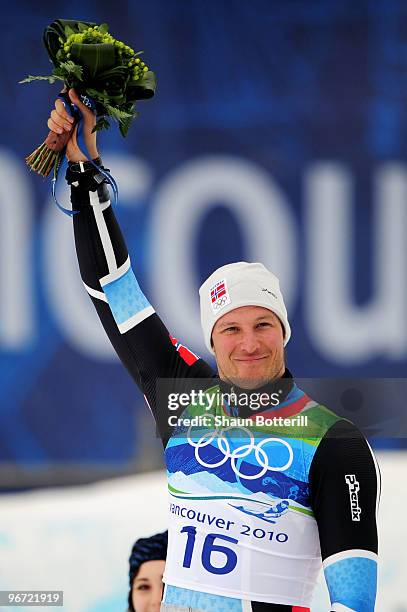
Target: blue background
282 85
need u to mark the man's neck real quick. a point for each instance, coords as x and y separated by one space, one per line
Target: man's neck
280 386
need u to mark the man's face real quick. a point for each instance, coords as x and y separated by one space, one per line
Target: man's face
249 346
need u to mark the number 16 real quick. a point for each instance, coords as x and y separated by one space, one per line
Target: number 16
208 548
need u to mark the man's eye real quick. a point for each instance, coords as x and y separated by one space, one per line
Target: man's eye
264 324
231 329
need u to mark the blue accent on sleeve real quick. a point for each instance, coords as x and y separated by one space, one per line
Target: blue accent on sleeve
125 297
206 602
353 583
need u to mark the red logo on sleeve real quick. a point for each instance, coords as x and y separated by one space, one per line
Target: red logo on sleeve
188 356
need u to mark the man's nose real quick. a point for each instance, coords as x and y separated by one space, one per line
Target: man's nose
249 342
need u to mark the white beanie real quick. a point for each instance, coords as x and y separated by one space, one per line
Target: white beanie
240 284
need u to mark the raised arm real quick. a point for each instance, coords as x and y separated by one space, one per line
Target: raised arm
138 335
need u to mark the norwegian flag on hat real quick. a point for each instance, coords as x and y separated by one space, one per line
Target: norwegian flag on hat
217 291
219 295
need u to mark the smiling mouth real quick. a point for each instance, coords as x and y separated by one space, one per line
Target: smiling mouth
251 359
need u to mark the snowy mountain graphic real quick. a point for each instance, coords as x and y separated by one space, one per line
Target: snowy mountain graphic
209 485
204 485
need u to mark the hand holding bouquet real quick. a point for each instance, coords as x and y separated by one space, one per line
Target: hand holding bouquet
108 75
62 122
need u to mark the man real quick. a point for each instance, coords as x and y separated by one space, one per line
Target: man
254 504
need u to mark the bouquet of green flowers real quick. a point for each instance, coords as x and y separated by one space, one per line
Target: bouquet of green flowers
109 72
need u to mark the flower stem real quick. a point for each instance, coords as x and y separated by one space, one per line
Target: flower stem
42 160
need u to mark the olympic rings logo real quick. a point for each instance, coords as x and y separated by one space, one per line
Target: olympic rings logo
240 452
85 100
220 302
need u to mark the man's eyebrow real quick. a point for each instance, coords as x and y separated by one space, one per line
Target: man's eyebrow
229 323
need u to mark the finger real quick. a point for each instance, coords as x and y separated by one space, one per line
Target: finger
54 127
61 121
61 110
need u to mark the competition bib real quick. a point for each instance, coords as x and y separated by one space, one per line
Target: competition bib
240 521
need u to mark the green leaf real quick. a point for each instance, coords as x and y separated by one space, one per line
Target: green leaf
101 124
96 93
55 30
124 124
68 31
124 116
144 88
98 96
69 69
117 113
96 57
148 80
103 28
51 78
82 26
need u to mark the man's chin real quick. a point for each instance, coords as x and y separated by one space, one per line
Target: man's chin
248 377
250 382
